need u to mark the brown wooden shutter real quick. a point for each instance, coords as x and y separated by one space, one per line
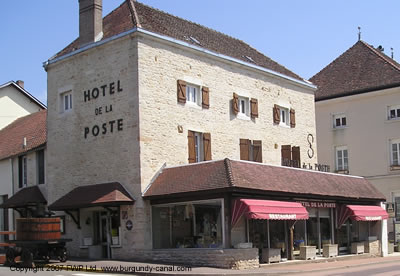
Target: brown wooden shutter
292 118
286 154
181 91
205 97
207 146
235 103
276 114
296 156
254 108
244 149
257 151
191 147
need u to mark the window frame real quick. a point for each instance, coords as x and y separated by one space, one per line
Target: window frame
396 109
244 103
22 171
197 94
198 147
339 117
397 143
343 167
66 101
38 168
284 117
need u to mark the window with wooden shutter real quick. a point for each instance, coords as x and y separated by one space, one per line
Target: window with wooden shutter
205 97
254 108
244 149
296 157
257 151
235 103
207 146
276 114
191 147
181 91
286 155
292 118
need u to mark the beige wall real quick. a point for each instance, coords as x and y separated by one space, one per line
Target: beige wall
367 134
148 71
13 104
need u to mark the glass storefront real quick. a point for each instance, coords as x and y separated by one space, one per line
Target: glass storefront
188 225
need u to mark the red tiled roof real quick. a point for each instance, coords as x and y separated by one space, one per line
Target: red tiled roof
25 197
362 68
105 194
229 174
32 127
123 19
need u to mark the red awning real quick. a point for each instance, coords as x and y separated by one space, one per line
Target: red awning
360 213
268 209
367 213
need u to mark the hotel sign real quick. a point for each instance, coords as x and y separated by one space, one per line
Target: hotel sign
318 204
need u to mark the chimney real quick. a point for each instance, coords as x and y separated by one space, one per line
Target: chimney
20 83
90 21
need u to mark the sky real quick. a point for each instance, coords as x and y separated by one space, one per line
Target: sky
304 36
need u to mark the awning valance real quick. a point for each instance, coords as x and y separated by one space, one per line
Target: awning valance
29 196
268 209
361 213
106 194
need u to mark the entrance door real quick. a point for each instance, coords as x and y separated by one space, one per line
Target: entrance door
105 234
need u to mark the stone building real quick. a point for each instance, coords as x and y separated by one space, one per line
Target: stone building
141 93
358 119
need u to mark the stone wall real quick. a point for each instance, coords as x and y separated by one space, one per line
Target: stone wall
222 258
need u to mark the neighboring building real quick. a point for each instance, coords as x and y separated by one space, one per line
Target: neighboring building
16 102
22 168
139 107
358 119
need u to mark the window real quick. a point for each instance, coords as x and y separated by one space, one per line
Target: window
339 121
284 116
290 156
394 112
342 160
193 94
66 101
251 150
397 208
395 153
22 171
199 146
244 107
40 166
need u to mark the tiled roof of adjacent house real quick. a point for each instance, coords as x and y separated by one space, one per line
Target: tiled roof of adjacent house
131 14
360 69
242 175
32 127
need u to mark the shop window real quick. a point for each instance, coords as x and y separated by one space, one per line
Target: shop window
189 225
115 229
397 208
199 146
40 166
342 160
394 112
339 121
395 154
290 156
251 150
22 171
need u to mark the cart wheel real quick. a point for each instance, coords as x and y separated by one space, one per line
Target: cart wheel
10 257
62 254
27 258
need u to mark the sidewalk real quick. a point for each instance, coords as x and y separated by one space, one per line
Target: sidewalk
138 268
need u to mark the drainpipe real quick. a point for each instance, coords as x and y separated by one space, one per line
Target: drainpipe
11 225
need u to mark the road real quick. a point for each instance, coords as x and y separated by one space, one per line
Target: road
384 269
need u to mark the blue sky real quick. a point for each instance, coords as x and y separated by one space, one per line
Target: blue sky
304 36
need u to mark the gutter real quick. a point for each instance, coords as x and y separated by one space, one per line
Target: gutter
303 83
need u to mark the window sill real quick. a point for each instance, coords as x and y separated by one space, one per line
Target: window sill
284 125
84 247
340 128
115 245
395 120
342 171
395 168
243 117
193 105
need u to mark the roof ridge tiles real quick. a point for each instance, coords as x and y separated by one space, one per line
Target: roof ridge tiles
228 169
134 15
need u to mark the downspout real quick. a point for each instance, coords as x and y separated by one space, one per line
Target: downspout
12 193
